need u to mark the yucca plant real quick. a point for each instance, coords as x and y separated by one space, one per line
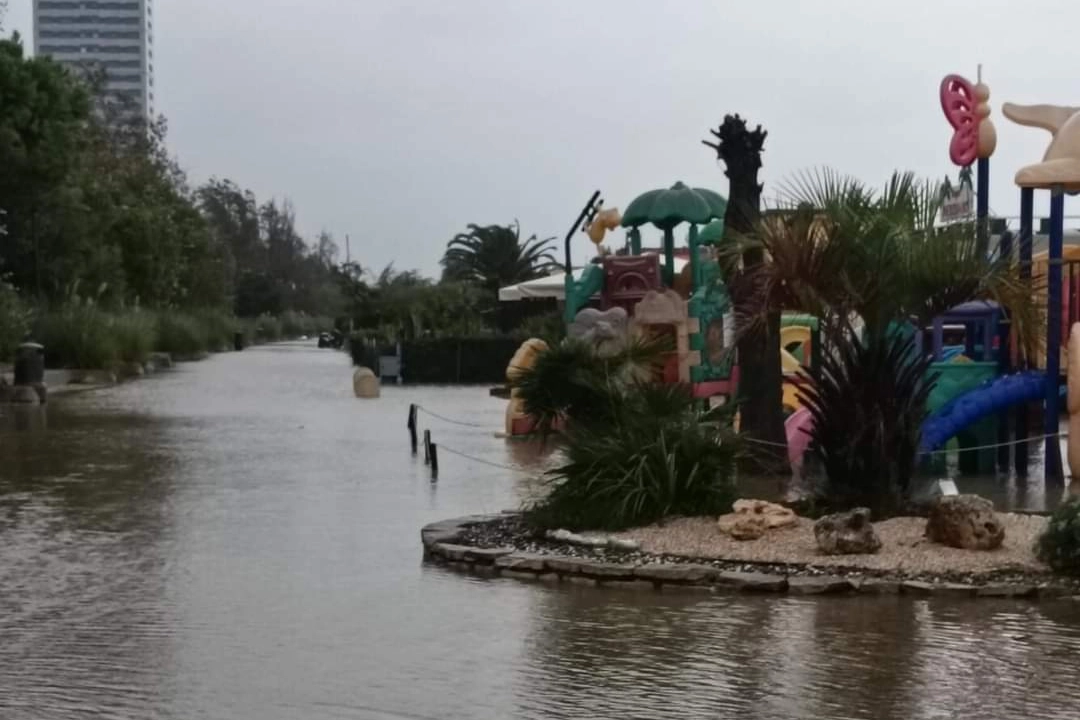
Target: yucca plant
868 450
649 453
571 380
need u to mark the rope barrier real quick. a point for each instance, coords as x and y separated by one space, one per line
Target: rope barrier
452 421
1060 436
452 451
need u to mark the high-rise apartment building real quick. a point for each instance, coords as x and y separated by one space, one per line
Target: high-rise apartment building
113 37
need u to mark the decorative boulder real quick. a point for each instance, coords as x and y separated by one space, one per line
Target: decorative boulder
751 519
743 527
965 521
847 533
607 330
365 384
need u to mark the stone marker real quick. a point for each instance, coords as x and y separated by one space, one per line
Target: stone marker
365 384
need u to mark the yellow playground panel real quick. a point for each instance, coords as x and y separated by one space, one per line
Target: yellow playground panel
793 335
1039 264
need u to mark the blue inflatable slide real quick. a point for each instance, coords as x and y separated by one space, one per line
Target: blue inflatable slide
990 398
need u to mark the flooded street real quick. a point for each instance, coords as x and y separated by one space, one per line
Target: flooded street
238 539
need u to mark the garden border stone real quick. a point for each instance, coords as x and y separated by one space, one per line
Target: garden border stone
446 542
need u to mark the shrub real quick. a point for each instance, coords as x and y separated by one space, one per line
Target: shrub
218 327
296 324
868 400
549 327
14 321
1059 545
79 336
134 333
181 335
267 328
648 454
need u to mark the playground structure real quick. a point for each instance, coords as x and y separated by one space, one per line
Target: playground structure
983 375
981 382
689 305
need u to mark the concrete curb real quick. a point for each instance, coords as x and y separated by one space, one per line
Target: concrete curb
443 543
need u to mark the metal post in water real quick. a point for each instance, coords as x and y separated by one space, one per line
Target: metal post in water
982 205
1051 407
1004 359
1027 211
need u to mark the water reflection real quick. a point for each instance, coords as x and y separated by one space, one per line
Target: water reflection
238 539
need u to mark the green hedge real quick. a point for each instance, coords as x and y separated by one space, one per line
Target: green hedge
444 360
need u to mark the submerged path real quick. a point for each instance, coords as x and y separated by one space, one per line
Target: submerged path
238 539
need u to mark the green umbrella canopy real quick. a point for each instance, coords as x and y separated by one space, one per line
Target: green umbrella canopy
711 234
666 208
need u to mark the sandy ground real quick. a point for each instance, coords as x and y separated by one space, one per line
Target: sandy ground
903 546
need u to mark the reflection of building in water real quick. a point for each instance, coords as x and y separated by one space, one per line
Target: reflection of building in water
110 37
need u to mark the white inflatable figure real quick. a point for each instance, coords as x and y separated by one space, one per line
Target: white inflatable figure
1060 166
1073 404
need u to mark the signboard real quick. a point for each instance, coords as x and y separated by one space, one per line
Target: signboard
958 202
958 205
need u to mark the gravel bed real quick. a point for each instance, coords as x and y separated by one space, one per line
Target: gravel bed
904 549
905 554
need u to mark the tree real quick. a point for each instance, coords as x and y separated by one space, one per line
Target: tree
41 120
760 407
494 256
326 249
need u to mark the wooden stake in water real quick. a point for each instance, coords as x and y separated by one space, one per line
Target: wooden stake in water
411 424
434 462
427 447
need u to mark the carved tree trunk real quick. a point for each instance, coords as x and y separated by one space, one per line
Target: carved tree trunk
761 410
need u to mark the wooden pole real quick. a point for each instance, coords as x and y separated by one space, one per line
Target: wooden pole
434 462
427 447
411 424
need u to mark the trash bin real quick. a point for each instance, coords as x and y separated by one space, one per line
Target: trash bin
238 341
30 364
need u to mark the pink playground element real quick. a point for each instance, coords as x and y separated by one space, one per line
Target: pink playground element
958 102
797 427
712 388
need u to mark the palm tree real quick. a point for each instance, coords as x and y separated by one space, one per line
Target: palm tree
494 256
872 265
760 406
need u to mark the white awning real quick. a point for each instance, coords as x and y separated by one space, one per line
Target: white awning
553 286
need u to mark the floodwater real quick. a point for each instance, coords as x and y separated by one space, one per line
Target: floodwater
238 539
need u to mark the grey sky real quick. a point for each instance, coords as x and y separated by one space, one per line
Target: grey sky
401 121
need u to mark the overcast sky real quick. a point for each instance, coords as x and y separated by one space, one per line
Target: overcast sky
400 121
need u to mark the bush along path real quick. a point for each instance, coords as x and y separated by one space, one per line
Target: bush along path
503 545
86 348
